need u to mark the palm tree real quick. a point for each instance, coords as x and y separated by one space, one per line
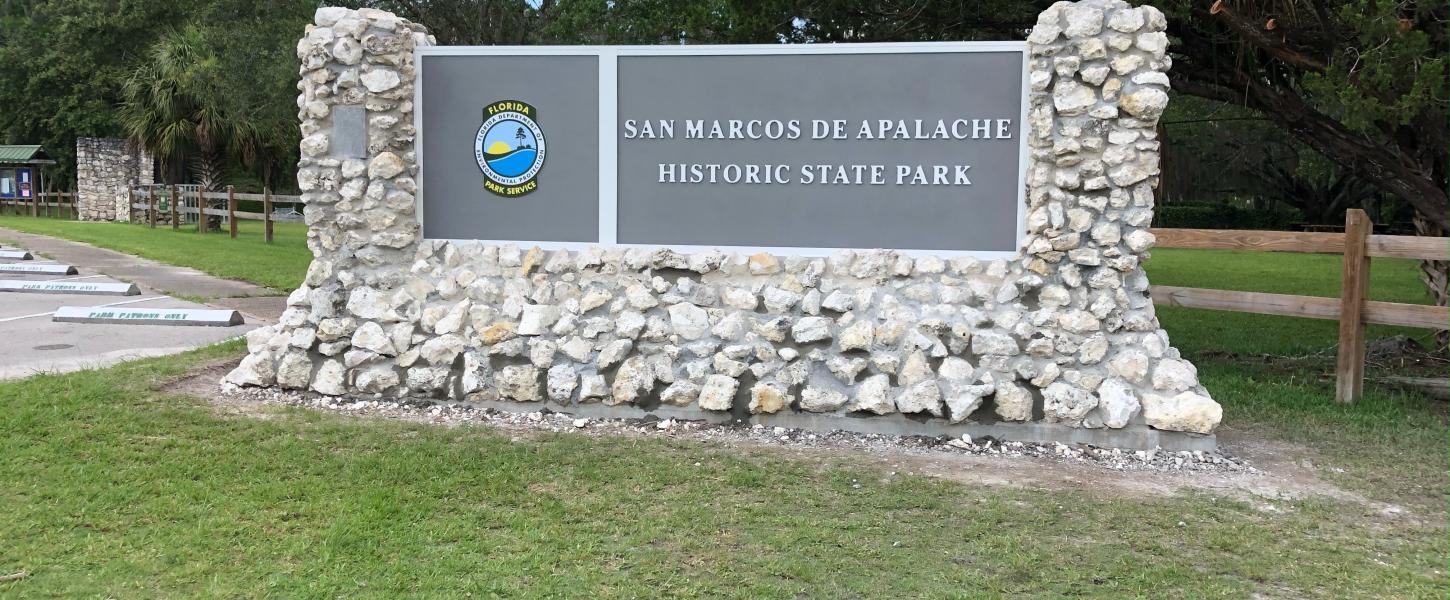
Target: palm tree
173 106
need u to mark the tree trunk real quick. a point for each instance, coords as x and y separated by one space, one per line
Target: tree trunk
1435 276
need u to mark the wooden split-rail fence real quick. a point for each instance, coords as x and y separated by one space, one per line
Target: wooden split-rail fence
153 204
45 204
1353 308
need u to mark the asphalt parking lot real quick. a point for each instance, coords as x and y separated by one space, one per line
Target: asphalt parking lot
31 341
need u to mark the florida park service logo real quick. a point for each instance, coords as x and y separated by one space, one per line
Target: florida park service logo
509 148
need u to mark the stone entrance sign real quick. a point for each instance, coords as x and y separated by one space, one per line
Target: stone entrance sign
715 300
801 149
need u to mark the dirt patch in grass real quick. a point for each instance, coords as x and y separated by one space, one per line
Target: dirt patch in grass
1282 476
202 382
1283 479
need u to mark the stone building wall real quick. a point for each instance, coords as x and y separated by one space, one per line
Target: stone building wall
1062 338
105 169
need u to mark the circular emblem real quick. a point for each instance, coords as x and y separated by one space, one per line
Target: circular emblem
509 148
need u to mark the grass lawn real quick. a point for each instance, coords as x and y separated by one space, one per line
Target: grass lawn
279 265
114 487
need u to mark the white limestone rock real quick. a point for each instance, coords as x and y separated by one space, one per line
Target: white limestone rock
442 350
366 303
519 383
1186 411
838 301
811 329
924 396
254 370
592 388
718 393
632 380
377 379
689 321
739 298
680 393
537 318
1083 20
329 379
822 399
857 336
1064 403
379 80
561 382
385 165
778 300
1117 403
991 342
370 336
1144 103
873 395
1130 364
1014 402
294 370
1174 375
768 397
612 353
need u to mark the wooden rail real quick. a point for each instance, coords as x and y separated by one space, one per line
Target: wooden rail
150 200
1353 309
44 204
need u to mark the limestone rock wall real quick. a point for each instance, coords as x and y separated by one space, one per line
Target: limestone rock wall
105 169
1065 333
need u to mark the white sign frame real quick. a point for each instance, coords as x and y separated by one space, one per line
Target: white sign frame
609 142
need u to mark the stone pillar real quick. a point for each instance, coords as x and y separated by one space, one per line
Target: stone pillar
356 177
1063 334
1098 85
105 169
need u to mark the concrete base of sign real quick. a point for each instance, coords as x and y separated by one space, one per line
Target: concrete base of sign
40 269
15 255
71 287
897 424
148 316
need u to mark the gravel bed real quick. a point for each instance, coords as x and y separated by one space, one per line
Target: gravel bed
547 420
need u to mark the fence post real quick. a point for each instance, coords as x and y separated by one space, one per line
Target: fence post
1354 291
201 225
130 204
267 215
175 220
232 210
151 206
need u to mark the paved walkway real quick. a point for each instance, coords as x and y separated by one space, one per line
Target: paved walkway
252 300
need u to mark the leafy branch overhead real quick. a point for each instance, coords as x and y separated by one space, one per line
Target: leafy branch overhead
1363 83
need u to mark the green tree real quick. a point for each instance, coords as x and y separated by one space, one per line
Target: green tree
174 106
64 62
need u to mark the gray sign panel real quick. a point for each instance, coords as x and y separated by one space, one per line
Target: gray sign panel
454 94
798 149
848 165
